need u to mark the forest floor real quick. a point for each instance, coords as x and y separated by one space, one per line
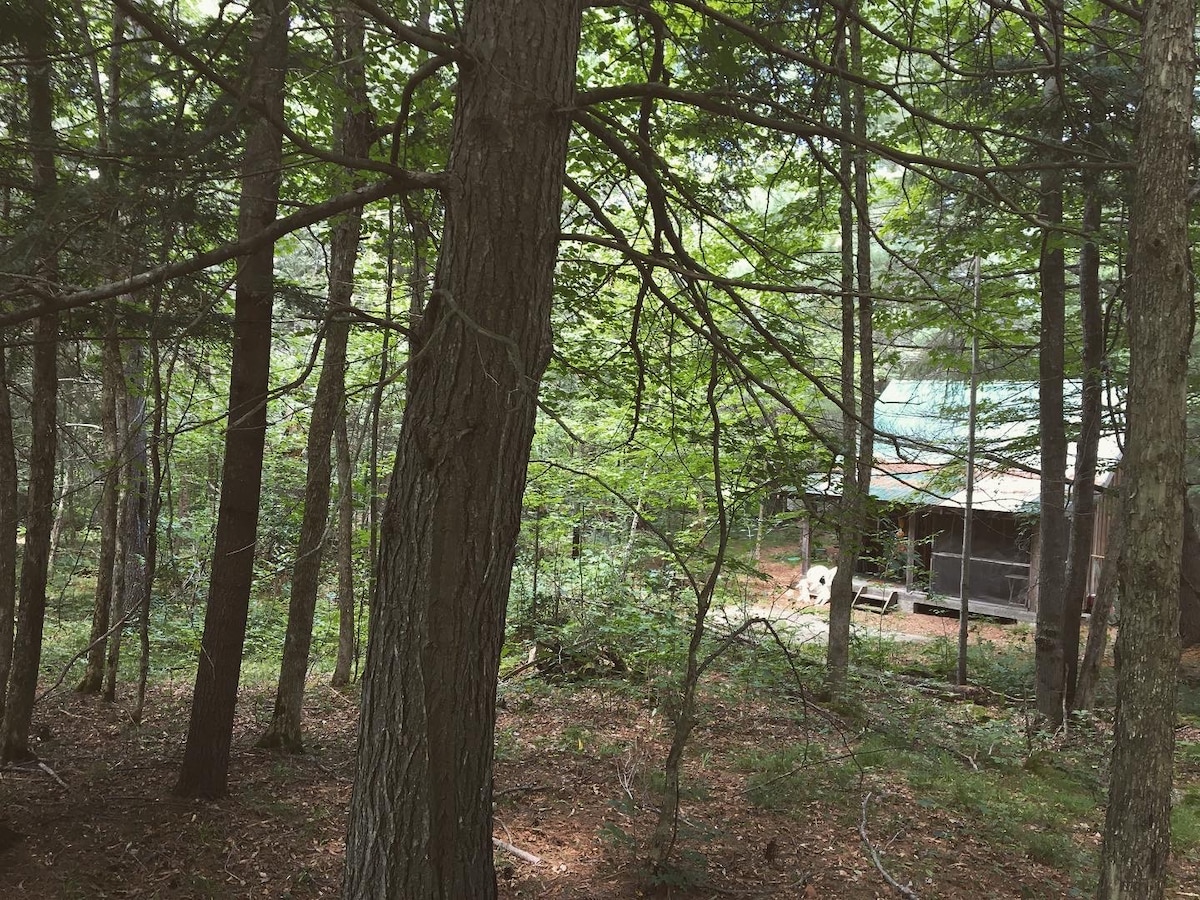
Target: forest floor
785 796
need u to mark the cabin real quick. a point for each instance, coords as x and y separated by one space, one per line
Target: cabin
914 555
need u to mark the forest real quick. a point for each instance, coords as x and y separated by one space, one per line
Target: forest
488 449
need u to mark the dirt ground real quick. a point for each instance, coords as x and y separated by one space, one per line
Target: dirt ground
574 786
100 821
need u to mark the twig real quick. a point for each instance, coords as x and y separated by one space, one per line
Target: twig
519 789
49 771
517 852
522 668
905 890
120 623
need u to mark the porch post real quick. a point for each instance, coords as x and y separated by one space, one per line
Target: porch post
910 567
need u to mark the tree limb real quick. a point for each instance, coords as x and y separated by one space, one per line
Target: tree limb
306 216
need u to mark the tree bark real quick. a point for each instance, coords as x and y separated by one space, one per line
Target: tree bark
27 651
1083 505
854 492
1052 529
1189 583
284 731
866 307
345 556
1106 595
133 531
1137 828
154 495
93 674
60 514
206 756
421 813
8 531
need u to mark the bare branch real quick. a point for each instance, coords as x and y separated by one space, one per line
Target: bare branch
306 216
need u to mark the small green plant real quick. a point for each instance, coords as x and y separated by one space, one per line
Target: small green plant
797 775
1185 824
687 873
506 748
575 739
654 781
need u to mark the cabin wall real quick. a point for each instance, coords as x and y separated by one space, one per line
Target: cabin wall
1000 556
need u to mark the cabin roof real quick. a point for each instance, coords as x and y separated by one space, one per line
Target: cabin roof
921 443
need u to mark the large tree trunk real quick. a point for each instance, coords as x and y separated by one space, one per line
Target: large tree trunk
27 651
110 373
1137 829
8 531
421 814
206 756
1052 530
1083 488
284 731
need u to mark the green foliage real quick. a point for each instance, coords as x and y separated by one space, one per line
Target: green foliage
1006 670
1185 823
507 747
798 775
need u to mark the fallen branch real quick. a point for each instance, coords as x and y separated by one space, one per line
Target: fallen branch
49 771
519 789
517 852
120 623
905 890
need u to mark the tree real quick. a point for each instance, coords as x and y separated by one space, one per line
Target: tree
1052 530
111 380
1083 486
206 757
284 731
345 557
27 651
8 531
134 527
420 816
1138 823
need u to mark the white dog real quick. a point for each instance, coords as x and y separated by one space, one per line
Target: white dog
815 585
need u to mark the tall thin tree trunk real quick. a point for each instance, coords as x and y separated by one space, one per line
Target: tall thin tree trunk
666 829
154 497
27 651
345 556
210 732
1052 531
421 813
134 529
8 531
1083 489
968 541
866 305
110 372
852 506
60 514
1106 595
1137 829
284 730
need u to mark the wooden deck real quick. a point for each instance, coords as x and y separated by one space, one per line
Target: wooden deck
886 596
